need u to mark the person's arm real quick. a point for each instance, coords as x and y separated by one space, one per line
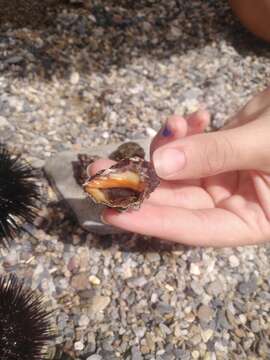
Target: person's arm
254 15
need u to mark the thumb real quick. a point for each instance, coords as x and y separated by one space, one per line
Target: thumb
209 154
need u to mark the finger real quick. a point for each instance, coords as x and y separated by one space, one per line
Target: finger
98 165
177 127
198 122
172 193
253 109
210 227
203 155
174 128
181 195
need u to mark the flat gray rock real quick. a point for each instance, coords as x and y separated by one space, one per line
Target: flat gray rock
59 172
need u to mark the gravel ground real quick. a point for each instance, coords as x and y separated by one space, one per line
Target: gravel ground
103 71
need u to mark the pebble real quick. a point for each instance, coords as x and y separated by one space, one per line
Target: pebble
94 280
234 261
74 78
164 308
255 326
99 303
84 321
80 281
151 132
221 320
16 59
137 282
207 334
154 298
94 357
135 353
153 256
3 122
78 346
248 287
215 288
205 313
105 135
195 269
150 341
243 318
169 287
195 354
197 287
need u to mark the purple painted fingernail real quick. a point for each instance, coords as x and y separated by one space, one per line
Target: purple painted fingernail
166 132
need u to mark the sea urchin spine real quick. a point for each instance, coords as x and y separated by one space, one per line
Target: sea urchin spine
19 194
24 323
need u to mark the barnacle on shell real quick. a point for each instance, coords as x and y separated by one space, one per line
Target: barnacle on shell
124 185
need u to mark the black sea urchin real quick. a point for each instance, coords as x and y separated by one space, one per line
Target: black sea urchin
24 323
19 194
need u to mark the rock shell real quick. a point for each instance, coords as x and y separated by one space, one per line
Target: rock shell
124 185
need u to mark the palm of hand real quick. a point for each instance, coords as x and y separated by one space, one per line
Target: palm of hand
230 208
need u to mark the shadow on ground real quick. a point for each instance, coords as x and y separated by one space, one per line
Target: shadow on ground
51 37
61 222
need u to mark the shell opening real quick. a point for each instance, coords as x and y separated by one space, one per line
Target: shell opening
115 188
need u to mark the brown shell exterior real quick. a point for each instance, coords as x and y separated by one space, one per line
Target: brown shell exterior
140 166
127 150
80 167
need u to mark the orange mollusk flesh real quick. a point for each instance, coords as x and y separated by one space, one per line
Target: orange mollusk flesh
127 179
115 189
126 184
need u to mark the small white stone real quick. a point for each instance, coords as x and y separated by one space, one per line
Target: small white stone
74 78
160 352
154 298
242 318
78 346
195 354
194 269
105 135
127 272
207 334
151 132
169 287
94 280
136 89
234 261
84 321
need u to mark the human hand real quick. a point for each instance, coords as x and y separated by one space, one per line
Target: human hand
215 188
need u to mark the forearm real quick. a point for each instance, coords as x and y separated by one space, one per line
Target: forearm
254 15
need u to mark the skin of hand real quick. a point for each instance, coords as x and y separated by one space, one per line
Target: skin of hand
254 17
215 188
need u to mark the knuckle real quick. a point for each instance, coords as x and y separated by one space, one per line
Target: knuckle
218 152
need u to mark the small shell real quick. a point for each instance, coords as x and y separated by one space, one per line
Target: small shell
129 149
124 185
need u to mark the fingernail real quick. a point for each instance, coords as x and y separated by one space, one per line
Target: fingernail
168 162
166 132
